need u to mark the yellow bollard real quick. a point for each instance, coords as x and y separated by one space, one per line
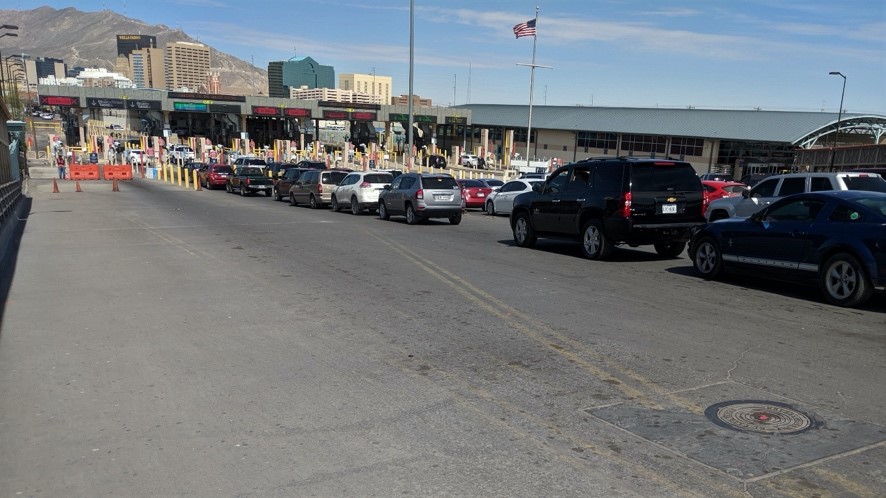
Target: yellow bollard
197 185
187 178
178 174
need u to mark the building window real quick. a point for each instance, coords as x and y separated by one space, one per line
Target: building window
685 146
644 143
596 140
520 135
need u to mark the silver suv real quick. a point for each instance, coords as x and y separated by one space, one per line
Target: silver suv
315 187
777 186
419 197
359 191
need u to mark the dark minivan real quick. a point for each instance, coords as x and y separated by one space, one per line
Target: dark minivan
613 201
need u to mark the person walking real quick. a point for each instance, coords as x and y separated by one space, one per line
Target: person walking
60 162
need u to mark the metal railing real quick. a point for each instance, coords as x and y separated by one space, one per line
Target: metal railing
10 193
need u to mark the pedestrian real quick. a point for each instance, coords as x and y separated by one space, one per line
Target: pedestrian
60 162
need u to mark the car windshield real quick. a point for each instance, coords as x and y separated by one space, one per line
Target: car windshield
664 177
378 178
873 183
439 182
251 172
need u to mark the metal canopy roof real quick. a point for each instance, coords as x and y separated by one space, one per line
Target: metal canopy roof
765 126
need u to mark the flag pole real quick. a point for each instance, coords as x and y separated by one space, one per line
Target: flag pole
531 89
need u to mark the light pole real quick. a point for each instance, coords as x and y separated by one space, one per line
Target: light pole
839 116
5 26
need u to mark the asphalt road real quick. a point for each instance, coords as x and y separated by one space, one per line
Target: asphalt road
163 342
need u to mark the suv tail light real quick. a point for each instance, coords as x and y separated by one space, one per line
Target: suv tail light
246 181
626 207
365 185
704 202
420 194
319 188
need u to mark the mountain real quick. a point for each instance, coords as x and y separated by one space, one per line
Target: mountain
89 39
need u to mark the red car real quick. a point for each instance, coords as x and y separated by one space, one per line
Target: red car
214 175
474 192
717 189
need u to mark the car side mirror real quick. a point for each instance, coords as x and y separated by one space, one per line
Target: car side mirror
387 187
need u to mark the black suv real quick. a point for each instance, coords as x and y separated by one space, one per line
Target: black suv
606 202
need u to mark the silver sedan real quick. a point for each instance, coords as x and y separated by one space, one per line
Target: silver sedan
502 200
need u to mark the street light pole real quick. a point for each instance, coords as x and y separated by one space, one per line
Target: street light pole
5 26
839 116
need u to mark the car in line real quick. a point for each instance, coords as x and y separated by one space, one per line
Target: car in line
493 183
502 200
137 157
311 164
255 162
777 186
717 189
469 160
611 201
359 191
717 177
420 197
214 175
284 182
314 187
249 180
474 193
435 161
181 153
834 238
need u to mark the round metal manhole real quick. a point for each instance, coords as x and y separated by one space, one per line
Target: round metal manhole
764 417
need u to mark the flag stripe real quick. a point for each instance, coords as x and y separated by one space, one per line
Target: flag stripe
525 28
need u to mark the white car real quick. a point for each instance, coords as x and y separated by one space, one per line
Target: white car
469 160
182 153
502 200
137 157
359 190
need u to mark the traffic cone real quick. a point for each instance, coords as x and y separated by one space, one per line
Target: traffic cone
115 189
54 186
77 186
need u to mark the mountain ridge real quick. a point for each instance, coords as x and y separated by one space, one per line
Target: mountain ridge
89 39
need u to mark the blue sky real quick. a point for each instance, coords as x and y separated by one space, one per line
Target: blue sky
733 54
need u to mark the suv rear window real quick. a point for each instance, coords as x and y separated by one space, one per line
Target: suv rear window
333 176
222 169
257 162
438 182
378 178
872 183
664 177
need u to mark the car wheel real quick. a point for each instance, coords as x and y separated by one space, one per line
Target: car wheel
355 206
845 281
242 191
455 219
313 202
594 243
490 208
524 235
669 249
707 260
277 196
383 211
411 217
335 207
292 200
718 215
228 188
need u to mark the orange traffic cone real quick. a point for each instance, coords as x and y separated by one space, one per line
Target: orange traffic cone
115 189
54 186
77 186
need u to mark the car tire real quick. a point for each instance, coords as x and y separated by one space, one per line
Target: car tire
242 191
292 201
490 208
411 217
718 215
524 235
455 219
312 202
277 196
707 260
228 188
335 207
670 249
594 242
844 281
355 206
383 211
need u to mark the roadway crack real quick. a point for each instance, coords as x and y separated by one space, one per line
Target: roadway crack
738 360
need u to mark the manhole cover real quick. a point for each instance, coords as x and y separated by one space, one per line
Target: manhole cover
766 417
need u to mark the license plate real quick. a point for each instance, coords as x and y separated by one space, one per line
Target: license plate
669 209
480 194
441 197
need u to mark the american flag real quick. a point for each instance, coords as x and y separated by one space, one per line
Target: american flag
525 28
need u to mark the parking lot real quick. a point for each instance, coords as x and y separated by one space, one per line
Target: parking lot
158 341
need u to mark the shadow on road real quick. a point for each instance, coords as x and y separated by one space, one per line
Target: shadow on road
10 241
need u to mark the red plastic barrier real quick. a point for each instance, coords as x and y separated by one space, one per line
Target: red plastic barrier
83 171
118 172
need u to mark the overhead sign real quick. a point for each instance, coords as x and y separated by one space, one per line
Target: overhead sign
335 114
355 105
265 110
144 105
456 120
404 118
190 106
105 103
363 116
206 96
60 100
224 108
296 112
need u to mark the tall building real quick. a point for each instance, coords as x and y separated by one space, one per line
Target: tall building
44 67
147 68
187 65
127 44
368 84
332 94
296 73
416 101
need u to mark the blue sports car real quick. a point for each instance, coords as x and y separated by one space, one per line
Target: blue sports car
837 238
